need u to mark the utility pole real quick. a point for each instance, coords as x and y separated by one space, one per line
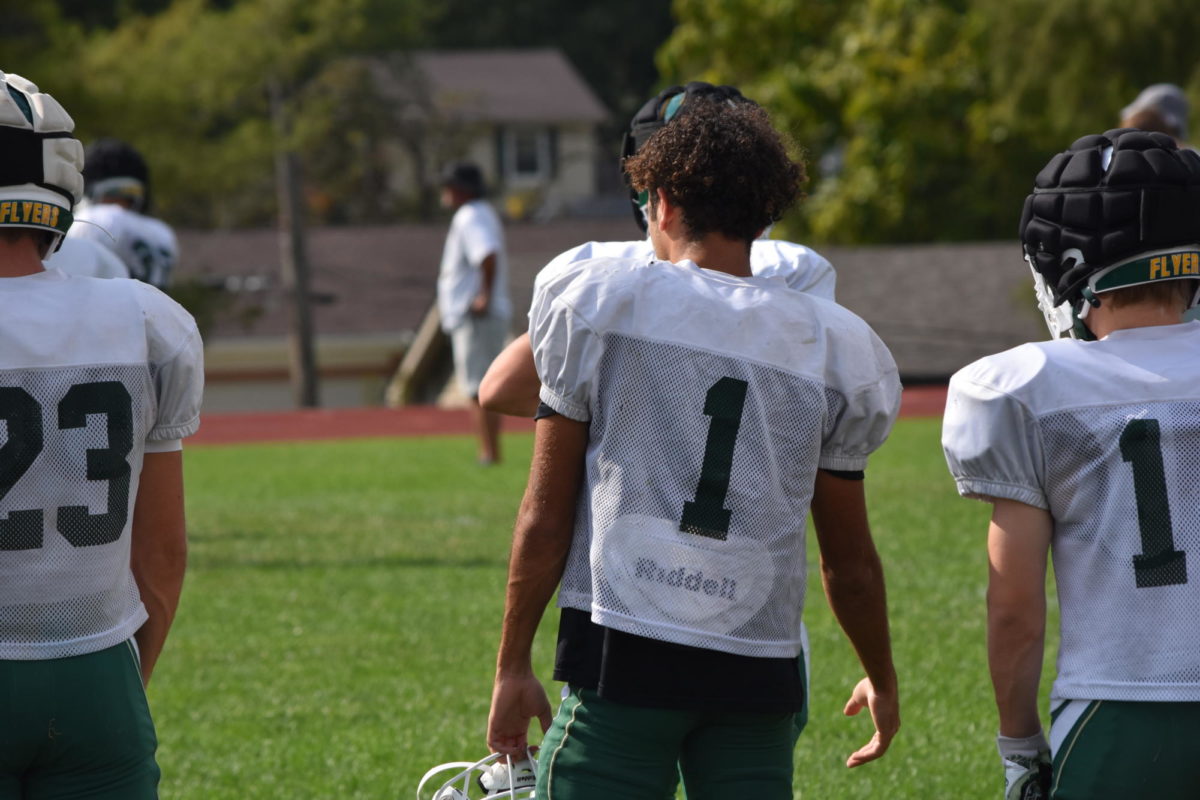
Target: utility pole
293 257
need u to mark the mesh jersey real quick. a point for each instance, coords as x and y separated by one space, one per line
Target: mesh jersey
712 400
1106 437
90 370
146 245
802 268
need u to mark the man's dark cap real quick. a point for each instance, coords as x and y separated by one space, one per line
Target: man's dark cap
465 176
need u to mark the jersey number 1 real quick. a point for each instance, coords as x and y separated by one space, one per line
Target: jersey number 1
706 515
1159 563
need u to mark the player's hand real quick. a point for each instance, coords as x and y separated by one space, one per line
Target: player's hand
480 303
885 713
515 701
1026 767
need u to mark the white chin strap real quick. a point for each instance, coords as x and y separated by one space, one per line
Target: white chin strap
1058 317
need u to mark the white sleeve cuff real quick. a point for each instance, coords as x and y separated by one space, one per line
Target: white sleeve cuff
164 445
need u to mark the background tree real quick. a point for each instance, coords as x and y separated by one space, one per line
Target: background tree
925 119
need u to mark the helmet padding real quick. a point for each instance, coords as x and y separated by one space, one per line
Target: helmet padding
1107 199
40 162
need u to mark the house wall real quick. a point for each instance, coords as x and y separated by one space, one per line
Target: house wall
576 162
573 178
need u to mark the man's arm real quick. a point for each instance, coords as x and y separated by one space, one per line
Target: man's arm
541 540
158 551
853 579
483 299
1018 543
511 384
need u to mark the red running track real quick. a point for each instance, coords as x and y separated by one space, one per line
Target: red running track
358 423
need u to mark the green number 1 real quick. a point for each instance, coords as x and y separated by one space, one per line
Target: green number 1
1159 563
706 515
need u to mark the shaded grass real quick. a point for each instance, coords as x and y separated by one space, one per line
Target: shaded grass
338 628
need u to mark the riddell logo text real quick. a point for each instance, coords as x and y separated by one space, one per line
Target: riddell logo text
649 569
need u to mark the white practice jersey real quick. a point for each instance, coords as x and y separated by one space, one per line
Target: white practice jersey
87 258
146 245
91 373
802 268
1105 436
475 233
712 401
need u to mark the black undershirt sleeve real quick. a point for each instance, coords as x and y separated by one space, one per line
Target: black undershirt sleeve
847 474
544 411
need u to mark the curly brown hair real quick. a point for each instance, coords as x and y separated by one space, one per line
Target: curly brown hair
724 165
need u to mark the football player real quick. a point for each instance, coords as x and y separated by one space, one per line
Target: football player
691 414
1088 447
99 382
115 212
511 385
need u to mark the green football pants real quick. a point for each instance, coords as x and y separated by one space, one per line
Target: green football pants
75 728
1110 749
597 750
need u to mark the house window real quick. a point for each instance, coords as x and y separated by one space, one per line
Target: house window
528 155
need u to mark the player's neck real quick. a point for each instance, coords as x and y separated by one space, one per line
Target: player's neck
19 257
717 253
673 241
1104 320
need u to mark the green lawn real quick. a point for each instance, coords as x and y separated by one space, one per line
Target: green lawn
338 628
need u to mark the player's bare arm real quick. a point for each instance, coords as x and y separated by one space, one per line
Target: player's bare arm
853 578
541 539
158 550
1018 543
511 384
483 300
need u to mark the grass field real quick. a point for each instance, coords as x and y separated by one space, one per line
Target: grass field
337 632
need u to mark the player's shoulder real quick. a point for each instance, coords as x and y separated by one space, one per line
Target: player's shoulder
584 275
1038 375
564 261
801 267
86 257
777 253
476 212
640 249
168 324
154 227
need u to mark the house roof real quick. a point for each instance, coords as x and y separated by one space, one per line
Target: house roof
537 85
938 307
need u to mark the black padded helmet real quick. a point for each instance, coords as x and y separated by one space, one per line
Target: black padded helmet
657 112
115 167
1108 199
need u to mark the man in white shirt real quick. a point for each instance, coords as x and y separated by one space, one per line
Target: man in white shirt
472 292
100 380
1089 447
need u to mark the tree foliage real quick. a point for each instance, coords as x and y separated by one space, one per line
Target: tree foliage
927 119
189 87
187 81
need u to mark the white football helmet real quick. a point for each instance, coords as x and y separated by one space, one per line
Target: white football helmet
40 162
498 777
